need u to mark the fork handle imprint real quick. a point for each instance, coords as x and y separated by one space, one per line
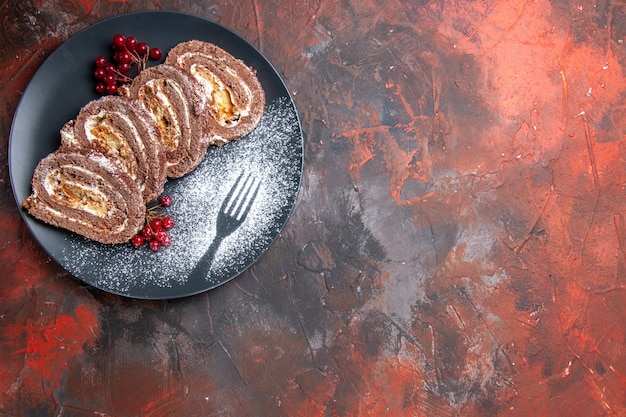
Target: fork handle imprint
203 267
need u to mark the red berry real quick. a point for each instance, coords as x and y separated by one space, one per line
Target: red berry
101 88
146 232
156 224
124 57
101 62
166 200
155 245
110 69
131 43
127 52
168 223
109 78
99 73
123 68
166 241
160 235
119 42
137 240
155 53
112 88
142 48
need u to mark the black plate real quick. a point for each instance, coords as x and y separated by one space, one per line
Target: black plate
272 153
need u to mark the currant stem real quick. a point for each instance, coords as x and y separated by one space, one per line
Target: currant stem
123 77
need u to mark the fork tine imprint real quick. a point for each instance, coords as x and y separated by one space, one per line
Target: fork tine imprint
239 207
233 192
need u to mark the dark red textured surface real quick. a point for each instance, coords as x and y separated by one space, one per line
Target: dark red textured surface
458 248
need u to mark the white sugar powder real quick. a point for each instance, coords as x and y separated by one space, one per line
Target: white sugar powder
271 153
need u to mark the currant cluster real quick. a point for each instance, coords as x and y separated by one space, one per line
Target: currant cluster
129 58
155 231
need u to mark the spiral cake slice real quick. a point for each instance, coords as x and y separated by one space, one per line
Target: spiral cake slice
171 98
235 97
120 128
88 193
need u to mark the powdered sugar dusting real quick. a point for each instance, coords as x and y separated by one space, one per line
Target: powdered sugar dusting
272 153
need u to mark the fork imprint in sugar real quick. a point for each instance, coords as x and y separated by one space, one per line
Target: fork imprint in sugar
239 200
232 214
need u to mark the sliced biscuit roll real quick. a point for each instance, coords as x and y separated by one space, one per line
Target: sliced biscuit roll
234 96
121 128
88 193
171 98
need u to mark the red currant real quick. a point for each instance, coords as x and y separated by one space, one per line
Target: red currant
127 53
131 43
142 48
101 88
137 240
166 200
110 69
166 241
156 224
168 223
99 73
123 68
124 57
160 235
155 245
155 53
146 232
109 78
101 61
119 42
112 88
